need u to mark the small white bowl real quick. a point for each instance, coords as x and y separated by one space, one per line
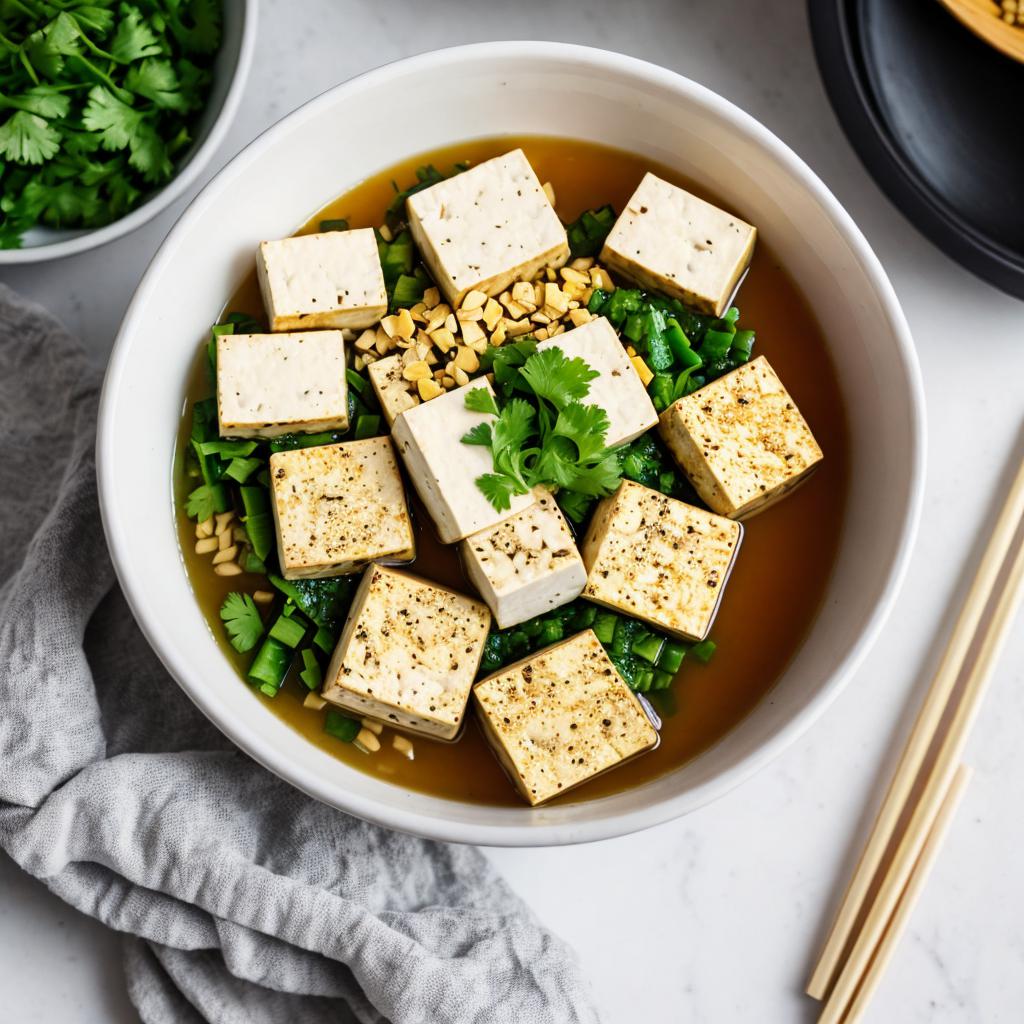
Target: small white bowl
335 141
231 69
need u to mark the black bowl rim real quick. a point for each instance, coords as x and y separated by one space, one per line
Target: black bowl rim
835 26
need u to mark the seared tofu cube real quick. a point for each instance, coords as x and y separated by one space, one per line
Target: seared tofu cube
527 564
659 559
487 227
270 384
333 279
668 240
391 388
618 390
741 440
560 717
339 506
444 470
408 653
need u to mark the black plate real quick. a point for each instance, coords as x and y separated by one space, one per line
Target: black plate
935 114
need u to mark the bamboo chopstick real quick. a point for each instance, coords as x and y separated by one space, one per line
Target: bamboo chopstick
906 904
921 737
938 781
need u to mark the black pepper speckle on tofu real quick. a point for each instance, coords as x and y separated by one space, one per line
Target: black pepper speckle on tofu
338 507
409 652
560 717
741 440
659 559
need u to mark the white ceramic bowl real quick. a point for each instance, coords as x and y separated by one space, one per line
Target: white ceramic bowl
333 142
230 72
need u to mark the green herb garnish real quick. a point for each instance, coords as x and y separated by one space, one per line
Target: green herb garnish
242 621
545 434
99 100
588 232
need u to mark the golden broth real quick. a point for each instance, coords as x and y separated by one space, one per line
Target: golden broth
783 567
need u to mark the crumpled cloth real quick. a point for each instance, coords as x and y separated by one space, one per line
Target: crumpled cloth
240 899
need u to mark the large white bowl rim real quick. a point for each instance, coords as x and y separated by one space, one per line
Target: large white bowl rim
615 99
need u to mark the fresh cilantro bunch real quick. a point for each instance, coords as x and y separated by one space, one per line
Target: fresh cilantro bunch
543 433
97 100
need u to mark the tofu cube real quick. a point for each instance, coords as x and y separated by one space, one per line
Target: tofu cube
659 559
338 507
619 389
444 470
527 564
741 440
561 717
487 227
408 653
670 241
391 388
333 279
271 384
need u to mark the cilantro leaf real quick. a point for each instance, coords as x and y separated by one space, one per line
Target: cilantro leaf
43 100
532 444
498 489
94 18
480 434
196 25
201 503
586 426
516 422
157 81
134 38
149 154
28 139
549 374
242 621
115 121
481 400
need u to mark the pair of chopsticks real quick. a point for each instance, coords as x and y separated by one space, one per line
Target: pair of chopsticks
849 983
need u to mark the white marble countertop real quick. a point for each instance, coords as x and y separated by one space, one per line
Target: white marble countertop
716 917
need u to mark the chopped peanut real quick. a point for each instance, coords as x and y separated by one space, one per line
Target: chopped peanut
472 332
429 389
466 359
643 370
416 371
474 300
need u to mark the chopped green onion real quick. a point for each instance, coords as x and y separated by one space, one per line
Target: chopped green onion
335 224
259 523
341 726
241 469
324 639
270 666
288 631
408 291
588 232
662 680
367 426
671 657
604 626
704 650
226 449
648 647
311 674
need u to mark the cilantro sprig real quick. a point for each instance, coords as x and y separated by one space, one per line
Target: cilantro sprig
543 432
242 621
97 101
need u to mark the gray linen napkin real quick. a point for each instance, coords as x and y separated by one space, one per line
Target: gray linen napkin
240 898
